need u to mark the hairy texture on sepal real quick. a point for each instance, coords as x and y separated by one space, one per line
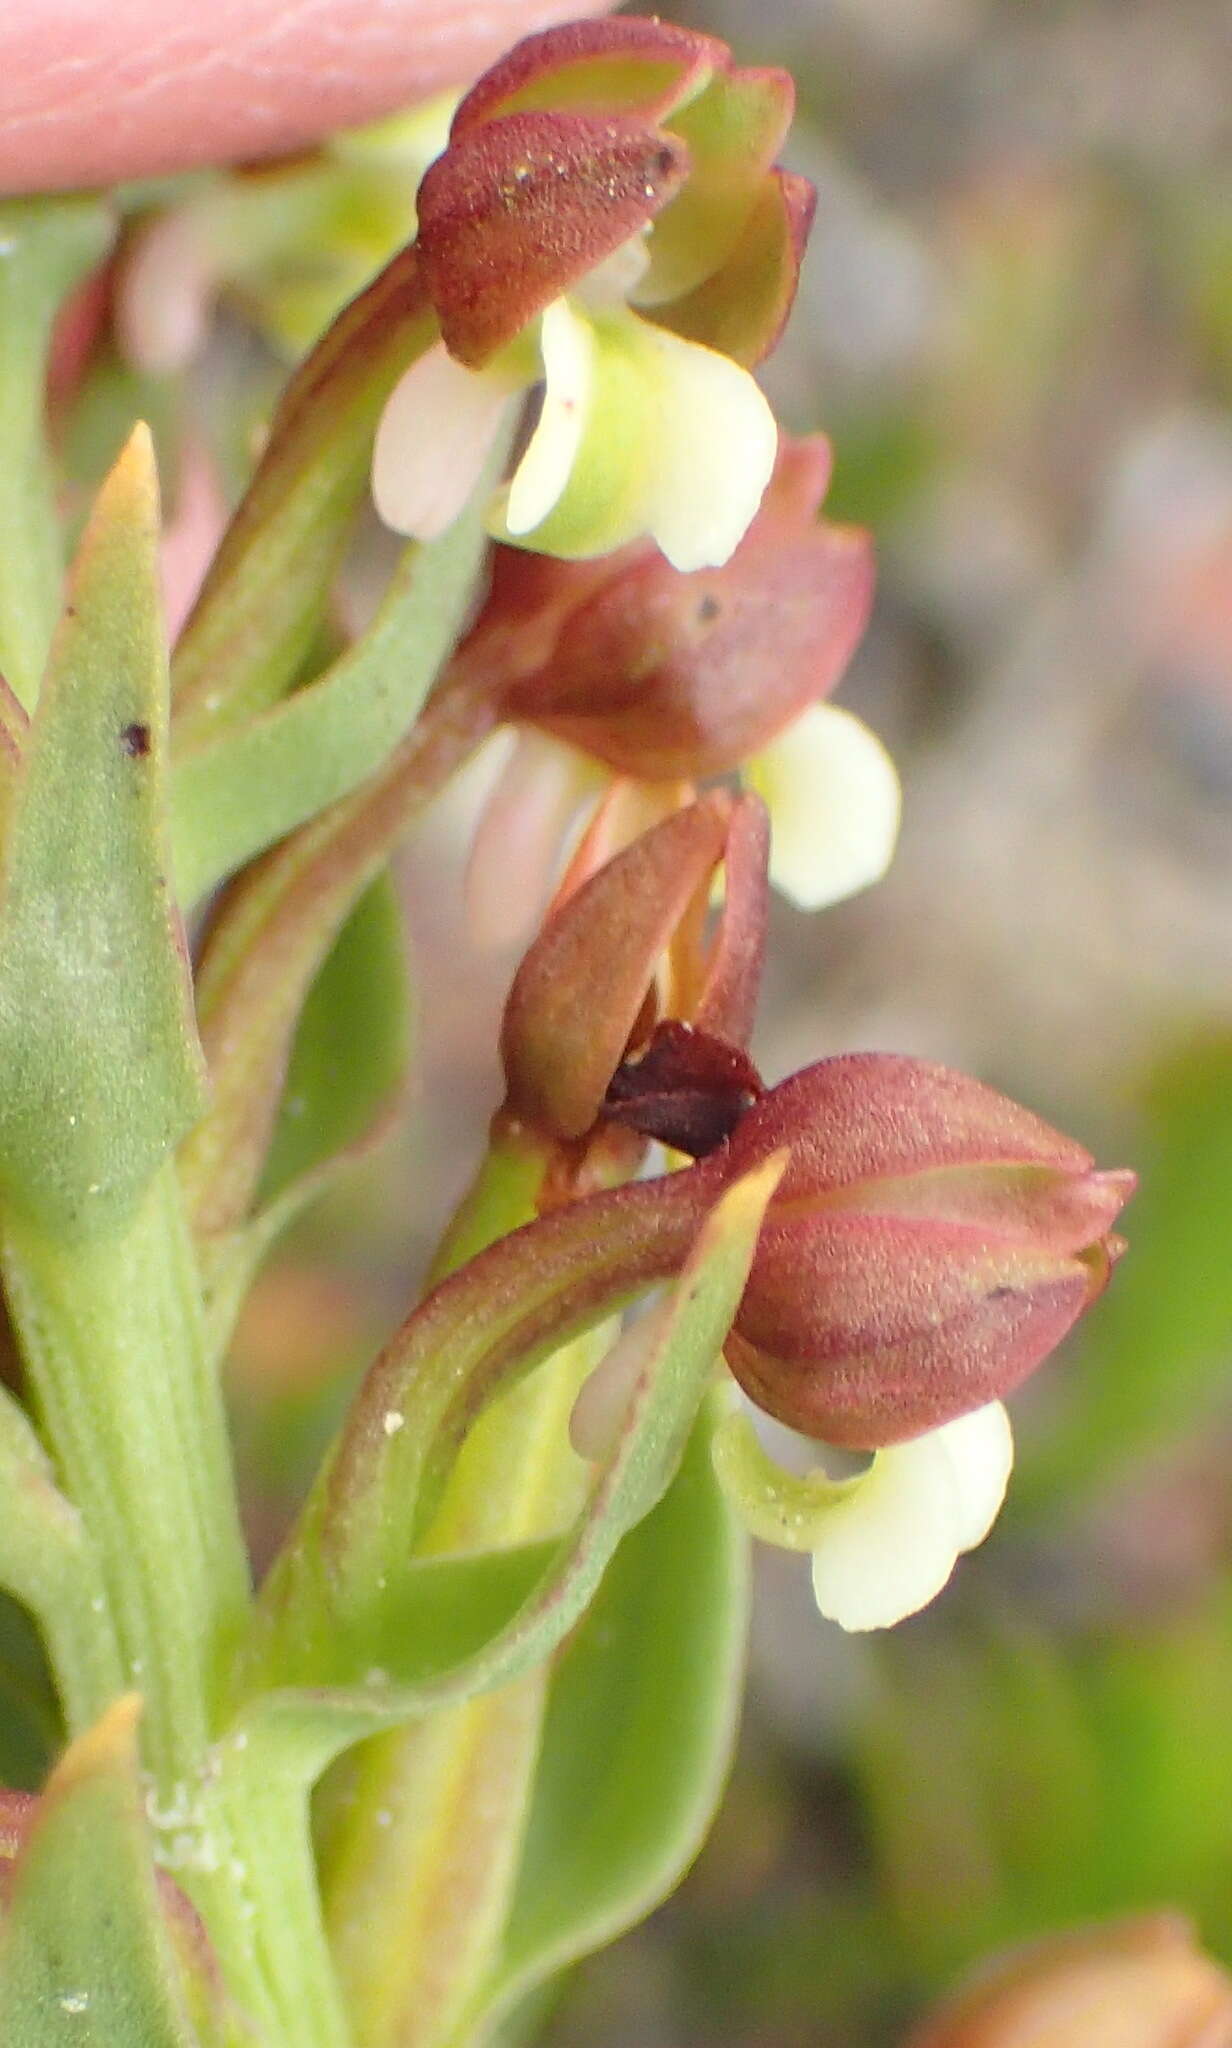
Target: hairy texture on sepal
520 209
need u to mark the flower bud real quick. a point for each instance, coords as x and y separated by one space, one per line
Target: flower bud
1142 1983
929 1244
662 675
588 992
573 144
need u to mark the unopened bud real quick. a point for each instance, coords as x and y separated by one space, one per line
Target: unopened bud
587 994
929 1244
662 675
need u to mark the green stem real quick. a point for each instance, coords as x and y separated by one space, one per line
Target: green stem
115 1348
246 1856
46 247
112 1333
420 1872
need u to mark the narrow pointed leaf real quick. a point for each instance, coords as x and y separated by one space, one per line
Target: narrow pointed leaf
637 1742
270 937
265 596
49 1564
237 793
83 1952
331 1652
97 1041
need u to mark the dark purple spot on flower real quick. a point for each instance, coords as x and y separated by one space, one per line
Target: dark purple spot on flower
135 740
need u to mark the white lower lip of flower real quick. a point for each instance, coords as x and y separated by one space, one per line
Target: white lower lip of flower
884 1543
435 435
890 1544
834 800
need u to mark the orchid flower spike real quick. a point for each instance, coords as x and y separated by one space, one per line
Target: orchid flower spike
607 224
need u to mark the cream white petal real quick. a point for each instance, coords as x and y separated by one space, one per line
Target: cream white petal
888 1546
435 435
567 345
835 803
716 447
980 1449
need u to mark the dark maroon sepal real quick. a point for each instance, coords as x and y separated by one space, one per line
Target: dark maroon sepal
519 209
686 1088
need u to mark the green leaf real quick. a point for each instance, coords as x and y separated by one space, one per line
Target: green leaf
46 247
97 1042
357 1661
269 584
352 1048
345 1079
83 1951
238 793
286 1099
49 1564
638 1736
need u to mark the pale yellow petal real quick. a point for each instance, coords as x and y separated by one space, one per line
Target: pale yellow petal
835 802
567 344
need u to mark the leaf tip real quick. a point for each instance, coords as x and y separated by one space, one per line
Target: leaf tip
109 1745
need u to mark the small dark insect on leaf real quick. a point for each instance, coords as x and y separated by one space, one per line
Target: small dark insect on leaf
135 740
686 1088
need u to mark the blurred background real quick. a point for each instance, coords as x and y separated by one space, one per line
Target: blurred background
1016 325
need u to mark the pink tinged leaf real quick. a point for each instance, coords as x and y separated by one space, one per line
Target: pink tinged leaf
521 208
742 308
517 843
728 1000
626 809
436 433
630 66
